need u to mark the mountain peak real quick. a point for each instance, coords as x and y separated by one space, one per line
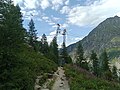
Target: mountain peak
116 16
105 36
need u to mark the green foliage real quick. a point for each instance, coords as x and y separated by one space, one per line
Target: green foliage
81 61
105 61
29 65
65 58
44 45
12 32
84 81
32 35
54 49
105 71
19 63
114 73
95 63
79 54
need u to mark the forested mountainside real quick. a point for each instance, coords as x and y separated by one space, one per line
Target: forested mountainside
27 63
105 36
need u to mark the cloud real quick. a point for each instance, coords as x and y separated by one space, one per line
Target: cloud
65 10
55 19
33 4
44 4
77 39
17 1
30 4
53 32
56 4
28 14
93 14
65 25
67 2
51 36
71 40
47 20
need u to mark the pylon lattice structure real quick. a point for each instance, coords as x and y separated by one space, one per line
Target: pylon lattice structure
58 31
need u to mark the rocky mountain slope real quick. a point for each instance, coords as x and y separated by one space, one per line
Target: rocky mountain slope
105 36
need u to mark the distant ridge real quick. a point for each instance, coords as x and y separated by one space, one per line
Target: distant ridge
105 36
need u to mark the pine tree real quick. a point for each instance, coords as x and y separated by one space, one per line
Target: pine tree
105 70
81 61
95 63
54 49
44 45
32 34
114 73
79 54
11 39
105 61
65 58
64 54
13 31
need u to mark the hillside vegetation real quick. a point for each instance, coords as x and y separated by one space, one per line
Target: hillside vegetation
21 57
80 79
29 65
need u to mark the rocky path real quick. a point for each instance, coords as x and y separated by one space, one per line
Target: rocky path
60 83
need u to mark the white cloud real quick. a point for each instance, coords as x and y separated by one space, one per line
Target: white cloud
77 39
45 18
67 2
17 1
55 19
65 25
30 4
44 4
28 14
56 4
51 36
53 32
93 14
65 10
33 4
50 21
49 39
71 40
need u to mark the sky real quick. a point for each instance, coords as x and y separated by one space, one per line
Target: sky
78 17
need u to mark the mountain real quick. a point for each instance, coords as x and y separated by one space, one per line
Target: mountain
105 36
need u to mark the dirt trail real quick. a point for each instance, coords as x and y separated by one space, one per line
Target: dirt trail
60 83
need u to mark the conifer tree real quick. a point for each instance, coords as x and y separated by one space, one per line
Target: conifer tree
81 61
95 63
114 73
11 39
105 61
79 54
44 45
64 53
65 58
54 49
32 34
105 70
